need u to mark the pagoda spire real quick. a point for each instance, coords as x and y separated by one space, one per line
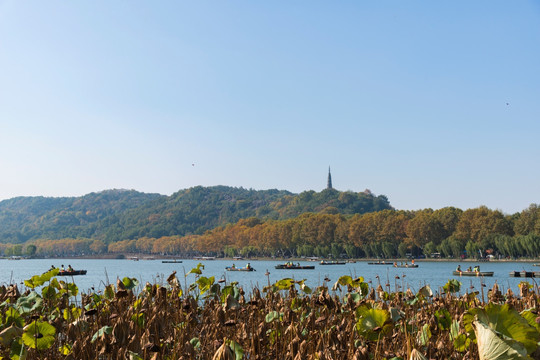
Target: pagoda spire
329 183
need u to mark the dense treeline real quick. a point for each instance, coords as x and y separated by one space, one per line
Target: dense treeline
116 215
384 234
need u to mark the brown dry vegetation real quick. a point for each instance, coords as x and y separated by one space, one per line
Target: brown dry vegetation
286 320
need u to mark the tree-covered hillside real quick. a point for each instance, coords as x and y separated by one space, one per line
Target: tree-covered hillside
119 214
25 218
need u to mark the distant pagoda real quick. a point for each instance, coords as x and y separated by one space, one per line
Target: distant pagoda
329 183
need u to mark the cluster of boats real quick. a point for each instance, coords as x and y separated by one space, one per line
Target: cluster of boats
395 264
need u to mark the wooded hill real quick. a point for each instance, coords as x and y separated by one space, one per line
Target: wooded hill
115 215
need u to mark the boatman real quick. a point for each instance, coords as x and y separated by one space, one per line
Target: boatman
458 268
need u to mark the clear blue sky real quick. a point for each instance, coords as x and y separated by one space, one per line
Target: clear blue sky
431 103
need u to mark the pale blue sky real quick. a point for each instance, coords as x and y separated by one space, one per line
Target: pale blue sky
431 103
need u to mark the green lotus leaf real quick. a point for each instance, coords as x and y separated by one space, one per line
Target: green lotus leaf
493 347
72 313
230 290
237 349
105 330
65 349
33 282
462 343
364 288
9 334
531 317
454 330
48 292
138 319
130 283
49 275
506 322
196 270
356 297
283 284
109 292
444 319
306 289
18 351
373 323
452 286
424 335
343 281
39 335
205 283
273 315
29 303
12 316
396 314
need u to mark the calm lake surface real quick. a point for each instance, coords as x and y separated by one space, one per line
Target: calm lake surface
102 272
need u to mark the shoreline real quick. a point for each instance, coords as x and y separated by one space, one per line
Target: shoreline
136 257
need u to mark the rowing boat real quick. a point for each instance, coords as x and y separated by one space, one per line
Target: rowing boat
525 274
406 266
472 273
295 267
71 273
230 268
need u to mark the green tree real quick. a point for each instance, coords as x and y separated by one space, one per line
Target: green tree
429 249
17 250
30 250
528 221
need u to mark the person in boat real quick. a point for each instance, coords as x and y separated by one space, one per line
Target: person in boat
412 261
233 266
469 269
70 269
52 267
62 268
395 264
248 266
458 268
477 268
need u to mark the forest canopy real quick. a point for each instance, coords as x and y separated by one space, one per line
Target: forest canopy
225 221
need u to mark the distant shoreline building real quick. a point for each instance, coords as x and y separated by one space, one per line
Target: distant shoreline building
329 182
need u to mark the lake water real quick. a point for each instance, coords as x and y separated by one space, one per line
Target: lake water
102 272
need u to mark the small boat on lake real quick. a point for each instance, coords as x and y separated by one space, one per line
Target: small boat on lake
234 268
406 265
295 267
525 274
332 262
71 272
472 273
171 261
380 263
